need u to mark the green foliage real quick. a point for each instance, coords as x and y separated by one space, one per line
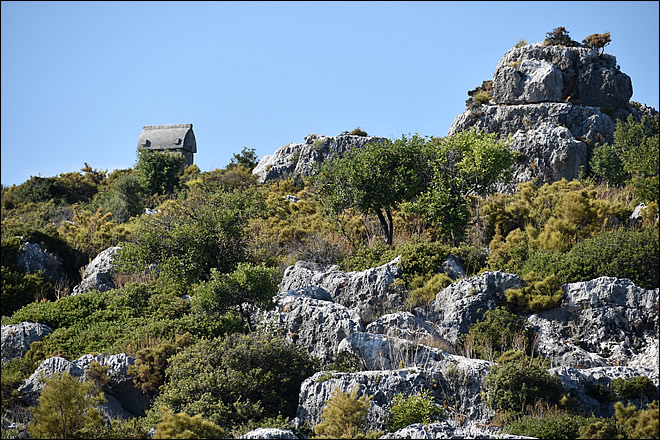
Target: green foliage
604 428
126 199
181 425
496 332
159 172
357 131
247 284
559 37
470 163
480 95
189 237
344 416
423 290
246 158
374 179
558 426
521 43
66 410
234 379
638 423
406 410
92 233
513 385
598 41
634 388
607 165
20 288
537 295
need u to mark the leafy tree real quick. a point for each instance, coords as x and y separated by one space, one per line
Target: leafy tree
159 172
189 237
66 410
246 158
375 179
127 199
470 163
344 416
598 41
559 37
606 163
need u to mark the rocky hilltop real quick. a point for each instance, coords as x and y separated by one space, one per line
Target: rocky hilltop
556 103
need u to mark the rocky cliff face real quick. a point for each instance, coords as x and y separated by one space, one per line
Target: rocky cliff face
556 103
305 158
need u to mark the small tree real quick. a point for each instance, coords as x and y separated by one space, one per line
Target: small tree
183 426
66 410
246 158
159 172
559 37
598 41
344 416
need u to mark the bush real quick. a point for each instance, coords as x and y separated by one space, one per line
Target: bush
496 332
536 296
183 426
344 416
234 379
558 426
513 385
419 408
634 388
159 172
559 37
638 423
423 291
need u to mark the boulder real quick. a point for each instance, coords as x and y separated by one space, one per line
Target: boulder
366 292
453 268
588 385
98 273
17 338
464 302
124 400
267 433
405 325
587 78
34 259
604 321
446 429
315 324
304 159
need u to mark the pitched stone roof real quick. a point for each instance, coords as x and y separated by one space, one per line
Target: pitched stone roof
168 137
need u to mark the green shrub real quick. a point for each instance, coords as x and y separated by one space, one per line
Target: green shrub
181 425
423 291
634 388
513 385
496 332
536 296
344 416
597 41
606 164
406 410
20 288
159 172
604 428
638 423
558 426
234 379
559 37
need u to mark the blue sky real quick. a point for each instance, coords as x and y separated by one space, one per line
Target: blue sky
80 79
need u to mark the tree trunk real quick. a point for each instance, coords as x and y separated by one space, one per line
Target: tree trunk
387 228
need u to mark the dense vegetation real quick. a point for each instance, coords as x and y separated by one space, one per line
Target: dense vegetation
224 240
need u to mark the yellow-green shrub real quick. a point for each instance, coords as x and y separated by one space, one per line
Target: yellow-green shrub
344 416
537 295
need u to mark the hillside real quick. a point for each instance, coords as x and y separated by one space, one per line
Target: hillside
498 282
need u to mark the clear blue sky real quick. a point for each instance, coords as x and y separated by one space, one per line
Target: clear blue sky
79 79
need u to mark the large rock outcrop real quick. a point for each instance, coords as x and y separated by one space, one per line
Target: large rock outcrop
304 159
556 103
98 273
17 338
604 321
366 292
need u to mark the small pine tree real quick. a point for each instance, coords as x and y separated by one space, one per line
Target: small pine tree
598 41
183 426
344 416
66 410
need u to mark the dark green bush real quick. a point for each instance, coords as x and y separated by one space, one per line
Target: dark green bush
537 295
638 423
559 37
237 378
418 408
513 385
496 332
635 388
559 426
159 172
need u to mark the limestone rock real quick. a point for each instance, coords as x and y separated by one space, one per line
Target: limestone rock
304 159
604 321
445 429
453 268
17 338
366 292
464 302
35 259
405 325
586 77
315 324
267 433
584 384
119 389
98 274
